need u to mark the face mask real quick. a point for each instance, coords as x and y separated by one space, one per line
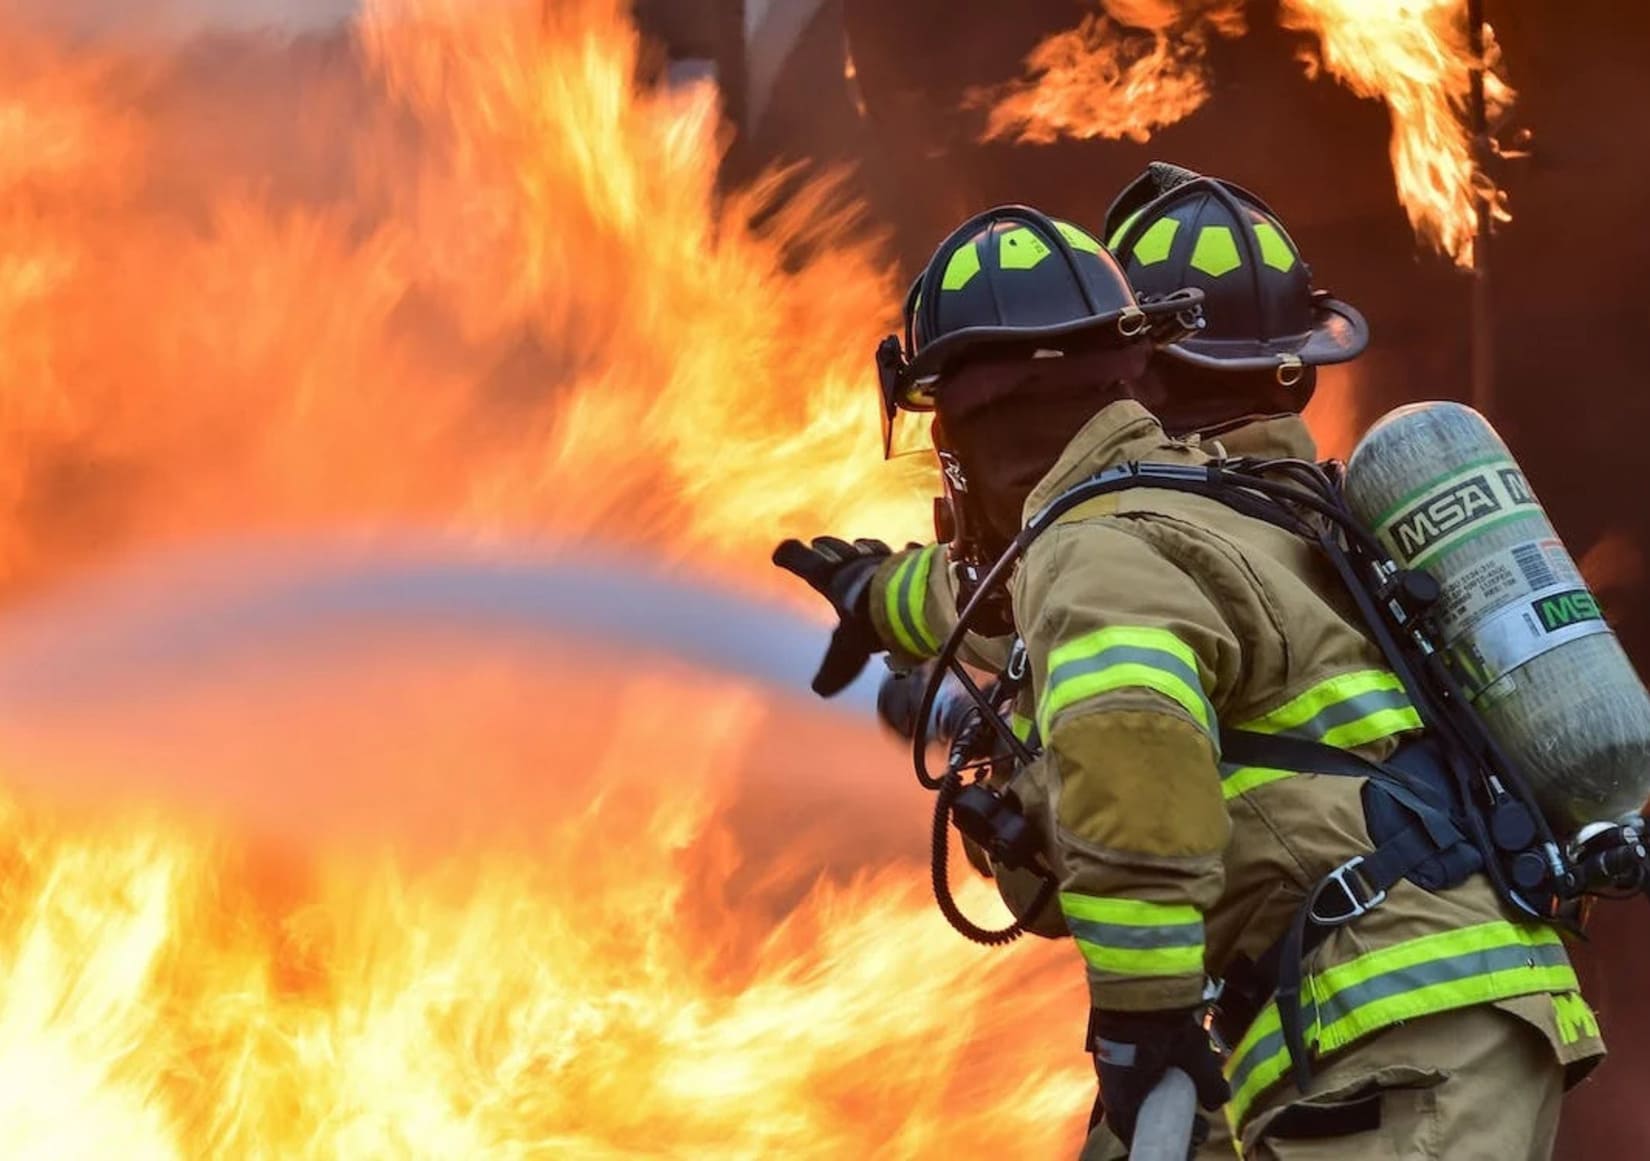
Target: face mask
1007 421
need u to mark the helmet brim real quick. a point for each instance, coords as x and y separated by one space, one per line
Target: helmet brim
1139 323
1339 334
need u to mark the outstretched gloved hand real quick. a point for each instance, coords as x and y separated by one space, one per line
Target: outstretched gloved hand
841 573
1132 1051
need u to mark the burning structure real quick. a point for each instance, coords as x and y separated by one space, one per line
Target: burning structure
457 268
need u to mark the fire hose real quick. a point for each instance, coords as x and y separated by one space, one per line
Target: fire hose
1163 1128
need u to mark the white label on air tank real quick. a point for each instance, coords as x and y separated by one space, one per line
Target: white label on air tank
1454 509
1524 630
1504 576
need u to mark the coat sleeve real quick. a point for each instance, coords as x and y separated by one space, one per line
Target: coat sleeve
914 609
1130 659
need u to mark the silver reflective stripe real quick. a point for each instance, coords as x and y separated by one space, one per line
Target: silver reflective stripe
1353 709
1139 938
1509 957
1440 971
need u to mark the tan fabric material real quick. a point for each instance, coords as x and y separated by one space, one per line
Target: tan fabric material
1266 620
1478 1083
1132 805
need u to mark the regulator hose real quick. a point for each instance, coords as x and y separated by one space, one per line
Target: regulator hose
950 785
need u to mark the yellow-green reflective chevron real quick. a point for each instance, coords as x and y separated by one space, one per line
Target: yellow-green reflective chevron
1154 245
1079 239
1216 252
962 268
1275 250
1020 249
1117 234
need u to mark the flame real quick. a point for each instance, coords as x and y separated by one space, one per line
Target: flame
459 272
1102 80
1415 56
1123 72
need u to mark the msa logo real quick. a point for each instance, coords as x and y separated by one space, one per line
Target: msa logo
1440 516
1516 486
1562 610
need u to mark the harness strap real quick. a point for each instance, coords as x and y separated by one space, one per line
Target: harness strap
1362 882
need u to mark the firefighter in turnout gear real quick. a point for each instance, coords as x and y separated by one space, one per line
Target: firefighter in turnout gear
1420 1019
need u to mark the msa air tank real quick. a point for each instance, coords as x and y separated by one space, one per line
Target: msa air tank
1523 633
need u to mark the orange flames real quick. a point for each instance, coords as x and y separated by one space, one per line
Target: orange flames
1105 79
459 274
1415 55
1124 72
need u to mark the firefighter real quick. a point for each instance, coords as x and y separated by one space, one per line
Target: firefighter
1432 1021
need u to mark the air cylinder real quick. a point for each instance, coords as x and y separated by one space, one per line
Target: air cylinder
1522 631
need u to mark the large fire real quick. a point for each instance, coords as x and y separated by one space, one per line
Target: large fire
1125 71
1139 65
460 273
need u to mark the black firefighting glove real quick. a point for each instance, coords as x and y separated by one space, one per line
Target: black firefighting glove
1132 1051
841 573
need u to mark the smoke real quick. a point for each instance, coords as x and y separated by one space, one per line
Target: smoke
161 20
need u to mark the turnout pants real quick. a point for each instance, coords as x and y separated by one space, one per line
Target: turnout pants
1476 1083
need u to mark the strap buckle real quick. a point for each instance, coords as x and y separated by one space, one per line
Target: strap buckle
1359 899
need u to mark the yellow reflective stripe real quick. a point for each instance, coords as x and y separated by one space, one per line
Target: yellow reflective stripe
1140 637
1142 961
1118 657
1374 727
890 597
1020 725
1236 780
1134 937
1127 912
1429 947
1347 710
905 600
1419 977
1304 707
918 604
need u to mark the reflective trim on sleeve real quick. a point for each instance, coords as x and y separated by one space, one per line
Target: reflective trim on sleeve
1346 711
906 600
1120 657
1236 780
1022 726
1419 977
1131 937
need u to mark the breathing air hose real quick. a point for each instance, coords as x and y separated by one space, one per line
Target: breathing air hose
951 785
